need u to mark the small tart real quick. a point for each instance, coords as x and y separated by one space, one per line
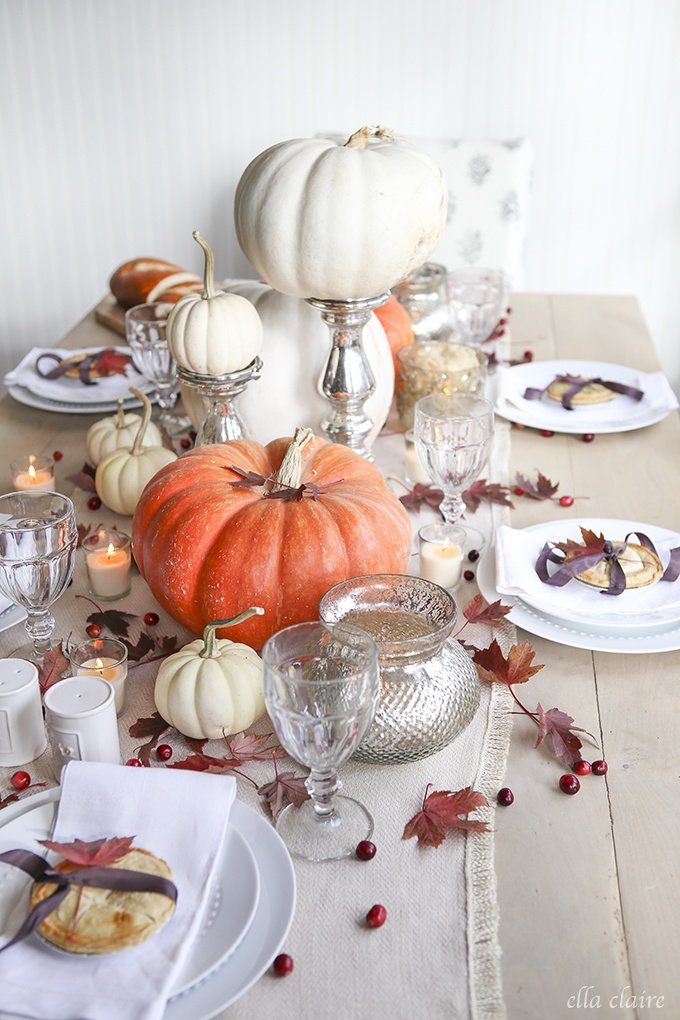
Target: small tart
90 920
75 362
641 567
593 393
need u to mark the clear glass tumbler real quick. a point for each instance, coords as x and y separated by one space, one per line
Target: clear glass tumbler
145 327
321 692
476 299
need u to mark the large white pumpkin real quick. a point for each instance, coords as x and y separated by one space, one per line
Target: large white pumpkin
295 348
318 219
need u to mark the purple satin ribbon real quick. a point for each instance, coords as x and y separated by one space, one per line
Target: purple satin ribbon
577 564
117 879
576 385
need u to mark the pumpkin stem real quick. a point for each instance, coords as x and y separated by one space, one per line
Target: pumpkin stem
144 424
209 650
290 470
120 415
208 266
360 138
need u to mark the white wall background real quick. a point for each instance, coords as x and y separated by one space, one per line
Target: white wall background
126 123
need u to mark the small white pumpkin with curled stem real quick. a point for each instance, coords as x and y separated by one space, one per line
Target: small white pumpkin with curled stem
213 333
109 434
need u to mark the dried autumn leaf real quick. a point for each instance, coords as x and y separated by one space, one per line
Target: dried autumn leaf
115 620
286 788
590 543
111 362
422 495
83 531
252 746
13 797
482 491
248 478
84 479
542 488
205 763
478 610
442 811
517 668
167 644
559 729
95 853
153 727
144 645
53 667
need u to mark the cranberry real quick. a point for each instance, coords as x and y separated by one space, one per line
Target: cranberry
185 443
505 797
473 555
93 630
376 916
135 762
569 784
582 768
283 965
508 311
528 355
588 437
502 322
516 425
94 502
600 768
547 433
517 491
365 850
20 780
164 752
566 500
151 619
57 455
469 575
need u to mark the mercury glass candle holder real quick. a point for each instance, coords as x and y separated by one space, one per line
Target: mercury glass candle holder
222 421
436 366
429 688
423 295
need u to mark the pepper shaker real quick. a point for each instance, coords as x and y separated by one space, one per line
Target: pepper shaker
22 731
81 720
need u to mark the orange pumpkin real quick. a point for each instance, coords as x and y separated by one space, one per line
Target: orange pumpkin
210 539
398 327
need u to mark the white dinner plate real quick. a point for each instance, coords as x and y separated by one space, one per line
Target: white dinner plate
619 415
11 615
105 390
24 396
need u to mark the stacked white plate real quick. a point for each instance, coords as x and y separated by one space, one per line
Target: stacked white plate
250 909
637 621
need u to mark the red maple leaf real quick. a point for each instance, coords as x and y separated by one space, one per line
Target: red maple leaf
478 610
590 543
517 668
53 667
559 728
111 362
205 763
252 746
542 488
482 491
116 620
285 788
145 644
442 810
153 727
83 531
97 853
84 479
422 495
11 798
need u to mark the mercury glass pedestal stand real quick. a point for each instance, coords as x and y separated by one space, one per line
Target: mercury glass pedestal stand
348 380
222 422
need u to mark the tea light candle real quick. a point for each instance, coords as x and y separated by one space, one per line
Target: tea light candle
105 658
415 472
22 731
441 554
33 474
80 714
108 559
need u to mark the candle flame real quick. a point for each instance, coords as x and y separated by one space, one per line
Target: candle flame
31 472
98 663
31 458
110 551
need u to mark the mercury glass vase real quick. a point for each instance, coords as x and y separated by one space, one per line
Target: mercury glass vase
429 688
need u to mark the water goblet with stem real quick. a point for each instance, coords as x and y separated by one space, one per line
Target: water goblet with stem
145 329
453 434
321 691
38 541
476 299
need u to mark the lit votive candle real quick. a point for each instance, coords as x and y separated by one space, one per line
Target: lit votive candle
441 554
105 658
414 470
33 474
108 559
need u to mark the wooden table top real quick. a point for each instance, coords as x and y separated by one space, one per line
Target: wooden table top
588 890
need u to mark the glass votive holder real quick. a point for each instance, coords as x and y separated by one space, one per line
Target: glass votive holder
106 658
423 295
436 366
80 715
109 561
413 466
442 550
33 474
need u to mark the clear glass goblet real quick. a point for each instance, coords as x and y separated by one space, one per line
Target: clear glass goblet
38 541
476 299
145 327
453 434
321 691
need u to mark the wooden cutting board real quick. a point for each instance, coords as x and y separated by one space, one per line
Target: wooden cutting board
111 314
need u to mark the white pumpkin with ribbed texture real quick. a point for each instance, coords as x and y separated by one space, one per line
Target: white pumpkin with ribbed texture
109 434
329 221
122 475
213 333
212 687
295 347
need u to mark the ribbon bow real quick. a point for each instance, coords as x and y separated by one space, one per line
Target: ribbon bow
118 879
580 561
576 384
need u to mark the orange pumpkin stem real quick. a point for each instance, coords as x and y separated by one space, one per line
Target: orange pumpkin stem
146 418
210 650
290 469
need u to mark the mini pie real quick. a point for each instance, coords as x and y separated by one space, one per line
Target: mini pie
106 920
593 393
73 372
641 567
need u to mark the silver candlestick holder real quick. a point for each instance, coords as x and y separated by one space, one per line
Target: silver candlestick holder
222 422
348 380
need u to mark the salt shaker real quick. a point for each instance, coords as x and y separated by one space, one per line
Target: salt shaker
22 731
81 720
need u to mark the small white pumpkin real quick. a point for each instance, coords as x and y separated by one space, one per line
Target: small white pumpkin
322 220
212 687
122 474
120 430
213 333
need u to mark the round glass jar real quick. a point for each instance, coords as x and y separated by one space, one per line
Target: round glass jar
423 295
436 366
429 688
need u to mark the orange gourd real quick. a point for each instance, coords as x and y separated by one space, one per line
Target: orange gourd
208 541
398 327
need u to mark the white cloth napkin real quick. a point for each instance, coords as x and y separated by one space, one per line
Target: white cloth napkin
658 396
178 815
106 389
516 555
